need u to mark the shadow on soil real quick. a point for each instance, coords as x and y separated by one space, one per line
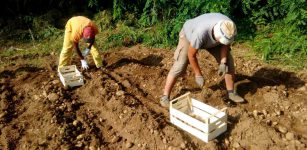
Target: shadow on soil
12 73
261 78
267 77
151 60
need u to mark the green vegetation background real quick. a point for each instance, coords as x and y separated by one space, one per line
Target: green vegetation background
275 29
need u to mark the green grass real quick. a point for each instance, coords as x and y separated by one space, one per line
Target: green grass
271 43
29 52
294 62
281 45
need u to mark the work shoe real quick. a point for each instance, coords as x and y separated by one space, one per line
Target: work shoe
235 97
164 101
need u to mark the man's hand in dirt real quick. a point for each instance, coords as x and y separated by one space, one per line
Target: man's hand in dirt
86 52
199 81
84 64
223 69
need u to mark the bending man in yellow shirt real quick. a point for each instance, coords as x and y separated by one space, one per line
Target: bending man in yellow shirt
75 29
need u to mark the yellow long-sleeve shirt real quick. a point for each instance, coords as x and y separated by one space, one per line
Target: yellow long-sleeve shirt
75 25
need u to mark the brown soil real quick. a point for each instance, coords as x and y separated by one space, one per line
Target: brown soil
118 107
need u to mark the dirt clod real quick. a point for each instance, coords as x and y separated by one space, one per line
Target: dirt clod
115 139
129 144
282 129
290 136
53 97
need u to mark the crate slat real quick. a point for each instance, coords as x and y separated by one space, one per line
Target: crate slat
197 118
213 121
201 135
198 133
70 76
189 120
205 107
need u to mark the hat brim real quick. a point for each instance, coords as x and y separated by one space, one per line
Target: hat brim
218 33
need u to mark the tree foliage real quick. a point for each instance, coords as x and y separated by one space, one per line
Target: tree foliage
272 26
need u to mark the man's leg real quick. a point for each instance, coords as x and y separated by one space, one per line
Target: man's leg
230 75
178 68
67 50
170 82
96 56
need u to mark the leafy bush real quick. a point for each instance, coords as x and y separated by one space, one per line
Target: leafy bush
261 12
280 27
103 19
297 15
276 41
42 29
274 27
123 36
179 9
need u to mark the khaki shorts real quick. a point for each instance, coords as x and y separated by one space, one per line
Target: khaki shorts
181 56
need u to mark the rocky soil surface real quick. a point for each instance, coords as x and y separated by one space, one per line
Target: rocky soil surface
118 106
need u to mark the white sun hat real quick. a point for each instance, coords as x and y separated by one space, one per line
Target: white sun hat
226 31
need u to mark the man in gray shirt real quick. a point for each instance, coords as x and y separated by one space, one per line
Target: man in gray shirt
213 32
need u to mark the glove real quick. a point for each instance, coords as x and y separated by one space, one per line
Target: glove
84 64
223 69
86 52
199 81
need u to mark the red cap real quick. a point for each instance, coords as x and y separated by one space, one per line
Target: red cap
88 33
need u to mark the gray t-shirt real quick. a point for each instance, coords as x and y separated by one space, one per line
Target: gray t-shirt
198 30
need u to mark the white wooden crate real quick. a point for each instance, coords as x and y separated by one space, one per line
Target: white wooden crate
70 76
199 119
